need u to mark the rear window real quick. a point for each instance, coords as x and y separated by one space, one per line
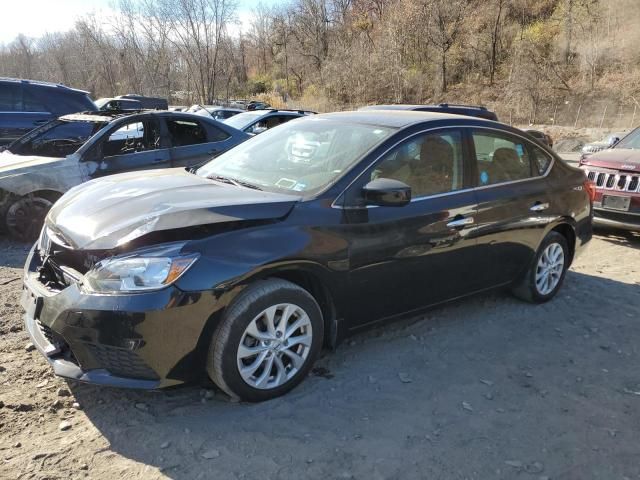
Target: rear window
62 102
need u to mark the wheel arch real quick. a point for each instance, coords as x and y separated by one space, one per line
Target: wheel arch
567 230
319 290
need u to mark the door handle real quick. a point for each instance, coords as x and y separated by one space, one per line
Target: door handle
158 160
460 222
211 152
40 122
539 207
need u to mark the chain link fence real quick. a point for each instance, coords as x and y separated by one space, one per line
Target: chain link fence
607 114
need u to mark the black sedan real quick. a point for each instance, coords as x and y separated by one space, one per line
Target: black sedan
39 167
292 240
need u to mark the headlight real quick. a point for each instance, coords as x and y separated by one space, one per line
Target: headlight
136 273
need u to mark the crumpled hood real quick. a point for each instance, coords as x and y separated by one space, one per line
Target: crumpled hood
109 212
12 164
615 158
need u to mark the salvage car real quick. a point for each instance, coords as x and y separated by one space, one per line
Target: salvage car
39 167
616 175
214 111
258 121
150 103
118 104
542 137
27 104
315 229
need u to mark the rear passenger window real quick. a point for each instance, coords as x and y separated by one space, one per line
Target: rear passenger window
62 102
217 135
500 158
32 104
186 132
541 161
10 100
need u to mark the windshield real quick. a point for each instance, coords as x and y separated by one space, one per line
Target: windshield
56 139
630 141
243 120
302 156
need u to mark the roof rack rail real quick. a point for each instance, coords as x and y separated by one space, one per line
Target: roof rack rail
445 105
297 110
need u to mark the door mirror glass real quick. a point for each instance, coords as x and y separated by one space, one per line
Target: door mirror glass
386 192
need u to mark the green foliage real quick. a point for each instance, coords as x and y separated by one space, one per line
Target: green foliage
258 84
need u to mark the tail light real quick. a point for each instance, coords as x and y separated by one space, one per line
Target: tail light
590 188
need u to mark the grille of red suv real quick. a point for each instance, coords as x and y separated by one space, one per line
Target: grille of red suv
623 182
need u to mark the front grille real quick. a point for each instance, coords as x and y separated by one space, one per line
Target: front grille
621 182
121 362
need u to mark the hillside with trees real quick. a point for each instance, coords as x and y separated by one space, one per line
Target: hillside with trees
533 61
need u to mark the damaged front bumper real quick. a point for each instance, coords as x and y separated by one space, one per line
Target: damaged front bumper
146 340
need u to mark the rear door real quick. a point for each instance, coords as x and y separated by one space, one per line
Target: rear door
20 112
404 258
194 142
134 145
513 201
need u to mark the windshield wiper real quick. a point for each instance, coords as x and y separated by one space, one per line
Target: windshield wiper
233 181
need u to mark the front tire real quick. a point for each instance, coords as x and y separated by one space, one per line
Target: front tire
25 215
267 341
547 271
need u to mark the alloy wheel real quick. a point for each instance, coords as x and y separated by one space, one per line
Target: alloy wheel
549 269
274 346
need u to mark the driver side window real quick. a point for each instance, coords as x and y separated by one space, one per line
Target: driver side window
430 163
133 137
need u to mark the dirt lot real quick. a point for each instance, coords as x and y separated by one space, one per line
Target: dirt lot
484 388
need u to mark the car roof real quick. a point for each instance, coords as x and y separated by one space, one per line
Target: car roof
110 115
39 83
394 118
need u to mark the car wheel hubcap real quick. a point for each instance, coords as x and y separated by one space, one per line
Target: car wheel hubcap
274 346
549 269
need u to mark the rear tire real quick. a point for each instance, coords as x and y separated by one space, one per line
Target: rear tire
546 273
253 356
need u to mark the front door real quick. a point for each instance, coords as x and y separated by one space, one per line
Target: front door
404 258
136 145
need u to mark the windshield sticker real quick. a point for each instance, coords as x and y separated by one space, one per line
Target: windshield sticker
299 187
484 177
286 183
520 150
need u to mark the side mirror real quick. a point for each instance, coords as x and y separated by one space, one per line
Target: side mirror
386 192
613 141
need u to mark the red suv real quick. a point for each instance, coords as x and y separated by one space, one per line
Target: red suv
616 174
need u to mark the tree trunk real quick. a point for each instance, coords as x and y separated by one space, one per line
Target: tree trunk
443 70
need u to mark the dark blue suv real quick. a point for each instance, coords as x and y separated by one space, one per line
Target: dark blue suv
26 104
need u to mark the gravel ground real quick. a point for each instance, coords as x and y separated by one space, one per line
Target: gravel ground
484 388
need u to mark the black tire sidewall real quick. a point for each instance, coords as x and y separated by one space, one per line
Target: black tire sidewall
236 322
552 237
